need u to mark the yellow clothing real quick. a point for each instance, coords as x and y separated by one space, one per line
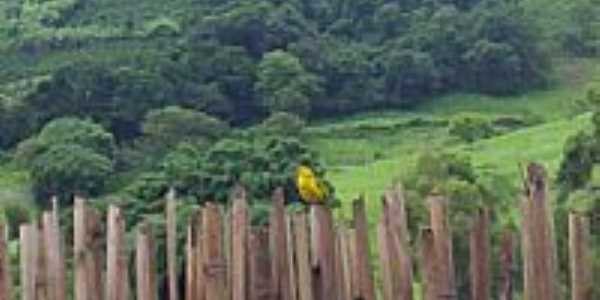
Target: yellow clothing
310 189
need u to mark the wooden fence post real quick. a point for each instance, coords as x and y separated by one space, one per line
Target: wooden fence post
171 229
5 276
538 238
52 252
506 265
442 242
385 261
429 265
580 258
479 249
346 257
87 252
239 245
190 265
364 274
28 235
117 268
279 248
145 268
302 252
323 250
396 232
214 254
260 266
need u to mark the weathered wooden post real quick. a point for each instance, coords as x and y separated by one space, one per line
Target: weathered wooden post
53 253
580 257
279 248
302 252
144 260
171 211
479 250
538 238
87 252
386 261
398 239
260 266
239 244
213 253
506 265
5 276
117 279
367 288
429 265
190 264
29 240
442 242
323 244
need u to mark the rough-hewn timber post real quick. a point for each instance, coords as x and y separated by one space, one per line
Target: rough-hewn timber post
87 252
5 276
28 235
323 246
506 266
479 251
117 269
145 268
538 238
442 242
260 266
239 245
367 288
279 248
172 245
580 258
302 252
429 265
214 253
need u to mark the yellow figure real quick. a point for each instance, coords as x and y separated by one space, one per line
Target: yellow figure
311 190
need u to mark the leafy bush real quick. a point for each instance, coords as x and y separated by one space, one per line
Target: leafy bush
172 125
471 127
284 124
68 131
65 170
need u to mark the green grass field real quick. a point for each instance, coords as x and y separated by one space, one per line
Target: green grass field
373 158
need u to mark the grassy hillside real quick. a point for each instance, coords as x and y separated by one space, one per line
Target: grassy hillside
368 152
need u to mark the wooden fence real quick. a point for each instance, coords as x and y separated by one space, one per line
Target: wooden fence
298 256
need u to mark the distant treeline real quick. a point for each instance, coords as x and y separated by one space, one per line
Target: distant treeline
241 61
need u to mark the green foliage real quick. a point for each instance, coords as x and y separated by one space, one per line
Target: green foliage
285 85
65 170
471 127
68 131
172 125
283 124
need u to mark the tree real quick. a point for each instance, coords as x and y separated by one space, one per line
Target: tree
66 170
283 124
285 85
471 127
68 131
172 125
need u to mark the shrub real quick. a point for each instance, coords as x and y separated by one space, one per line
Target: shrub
471 127
284 124
68 131
66 170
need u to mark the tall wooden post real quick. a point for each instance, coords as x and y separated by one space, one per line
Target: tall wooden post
87 251
302 252
5 276
260 266
29 261
580 257
442 242
172 245
367 288
506 265
323 250
145 268
279 248
117 279
239 246
214 254
539 251
479 249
